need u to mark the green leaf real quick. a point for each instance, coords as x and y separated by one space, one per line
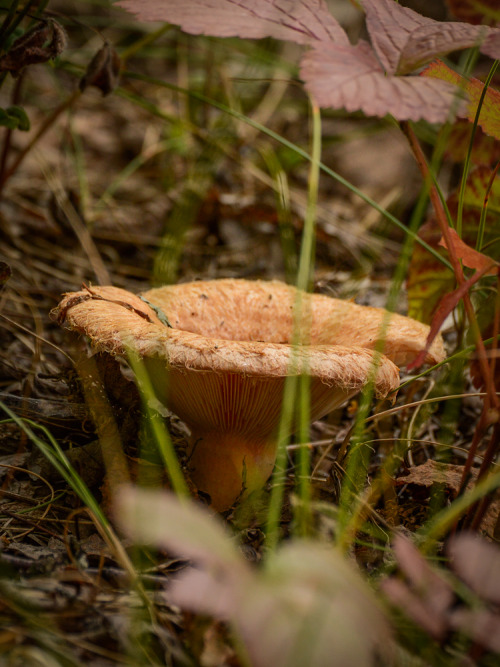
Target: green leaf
14 118
19 114
7 121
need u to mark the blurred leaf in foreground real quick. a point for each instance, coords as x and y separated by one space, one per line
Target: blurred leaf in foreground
307 606
426 595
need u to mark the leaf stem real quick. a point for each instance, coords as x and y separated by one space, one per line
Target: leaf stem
455 262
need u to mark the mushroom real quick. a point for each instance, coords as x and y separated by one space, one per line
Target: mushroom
221 360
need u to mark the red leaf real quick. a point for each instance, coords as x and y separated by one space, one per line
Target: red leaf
342 75
489 119
428 278
475 11
482 182
405 40
471 258
485 149
448 303
301 21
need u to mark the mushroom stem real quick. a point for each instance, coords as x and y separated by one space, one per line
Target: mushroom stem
227 466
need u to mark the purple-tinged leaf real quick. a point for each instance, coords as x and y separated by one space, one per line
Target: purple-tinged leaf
491 45
480 625
186 529
301 21
308 606
350 77
436 591
477 562
405 40
398 593
425 596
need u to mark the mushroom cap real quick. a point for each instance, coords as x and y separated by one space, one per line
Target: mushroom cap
226 330
258 310
232 377
116 321
222 365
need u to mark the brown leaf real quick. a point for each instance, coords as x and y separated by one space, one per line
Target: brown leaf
405 40
103 70
430 472
433 472
342 75
301 21
471 258
45 41
477 562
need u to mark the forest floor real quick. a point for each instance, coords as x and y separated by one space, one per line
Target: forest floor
90 203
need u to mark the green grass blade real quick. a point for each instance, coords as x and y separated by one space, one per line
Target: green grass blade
158 428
